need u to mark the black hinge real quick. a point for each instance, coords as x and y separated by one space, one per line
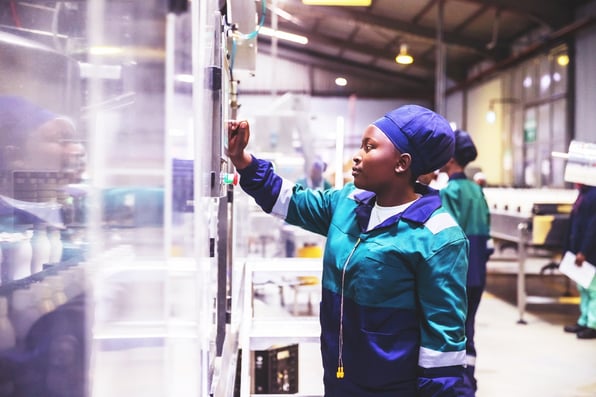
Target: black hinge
213 77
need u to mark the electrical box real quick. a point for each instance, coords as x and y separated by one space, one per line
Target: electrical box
276 370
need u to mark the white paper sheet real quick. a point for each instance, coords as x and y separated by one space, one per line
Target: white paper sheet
583 275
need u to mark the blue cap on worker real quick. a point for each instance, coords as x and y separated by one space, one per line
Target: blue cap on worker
18 117
319 164
426 135
465 150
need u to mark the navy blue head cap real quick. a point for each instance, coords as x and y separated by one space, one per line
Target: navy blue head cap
319 164
19 117
465 150
426 135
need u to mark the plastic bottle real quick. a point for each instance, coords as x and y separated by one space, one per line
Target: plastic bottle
7 332
23 313
40 248
56 245
42 293
56 283
23 264
16 258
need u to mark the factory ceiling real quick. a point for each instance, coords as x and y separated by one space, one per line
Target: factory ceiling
358 43
361 43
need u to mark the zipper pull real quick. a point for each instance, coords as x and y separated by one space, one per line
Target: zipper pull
340 372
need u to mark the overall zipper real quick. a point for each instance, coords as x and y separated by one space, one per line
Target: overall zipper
340 363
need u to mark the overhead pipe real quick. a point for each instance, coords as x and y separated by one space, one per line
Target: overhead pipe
495 37
440 72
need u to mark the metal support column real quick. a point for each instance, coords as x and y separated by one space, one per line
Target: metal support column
522 229
440 72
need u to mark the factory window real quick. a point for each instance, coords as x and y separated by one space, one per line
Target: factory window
542 83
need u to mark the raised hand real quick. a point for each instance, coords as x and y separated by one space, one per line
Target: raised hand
238 137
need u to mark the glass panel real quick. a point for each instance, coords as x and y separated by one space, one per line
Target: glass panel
545 76
543 140
529 81
518 149
560 141
111 134
530 165
517 87
560 65
545 122
43 166
163 252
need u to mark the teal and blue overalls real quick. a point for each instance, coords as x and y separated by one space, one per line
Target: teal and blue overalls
393 304
465 200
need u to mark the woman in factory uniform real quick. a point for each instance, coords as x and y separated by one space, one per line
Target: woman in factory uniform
34 138
582 242
52 358
315 178
394 270
464 199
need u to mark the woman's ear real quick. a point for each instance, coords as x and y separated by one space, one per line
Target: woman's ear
403 163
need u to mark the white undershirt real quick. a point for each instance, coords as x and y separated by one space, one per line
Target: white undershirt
380 213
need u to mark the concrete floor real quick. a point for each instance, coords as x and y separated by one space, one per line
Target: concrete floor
531 359
536 358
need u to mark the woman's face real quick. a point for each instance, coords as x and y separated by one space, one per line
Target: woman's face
51 147
376 161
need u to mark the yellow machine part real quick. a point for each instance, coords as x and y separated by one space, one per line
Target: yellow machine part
541 225
310 251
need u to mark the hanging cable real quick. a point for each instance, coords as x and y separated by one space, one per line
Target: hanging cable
235 34
255 32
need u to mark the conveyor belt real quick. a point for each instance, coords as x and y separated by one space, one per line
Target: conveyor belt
530 218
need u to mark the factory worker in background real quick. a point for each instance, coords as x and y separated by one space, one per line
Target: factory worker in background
52 360
315 178
465 200
34 138
582 242
393 303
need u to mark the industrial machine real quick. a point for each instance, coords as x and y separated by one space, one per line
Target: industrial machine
539 218
134 218
529 219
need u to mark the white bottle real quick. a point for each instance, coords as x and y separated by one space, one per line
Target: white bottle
40 248
42 293
56 283
23 313
16 257
23 264
56 245
7 332
7 269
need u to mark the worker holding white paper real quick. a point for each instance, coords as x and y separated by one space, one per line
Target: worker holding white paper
581 253
582 274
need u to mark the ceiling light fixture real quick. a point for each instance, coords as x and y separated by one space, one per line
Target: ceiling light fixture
563 59
295 38
341 81
349 3
403 58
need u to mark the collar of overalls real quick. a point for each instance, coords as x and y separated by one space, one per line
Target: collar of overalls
458 175
419 212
